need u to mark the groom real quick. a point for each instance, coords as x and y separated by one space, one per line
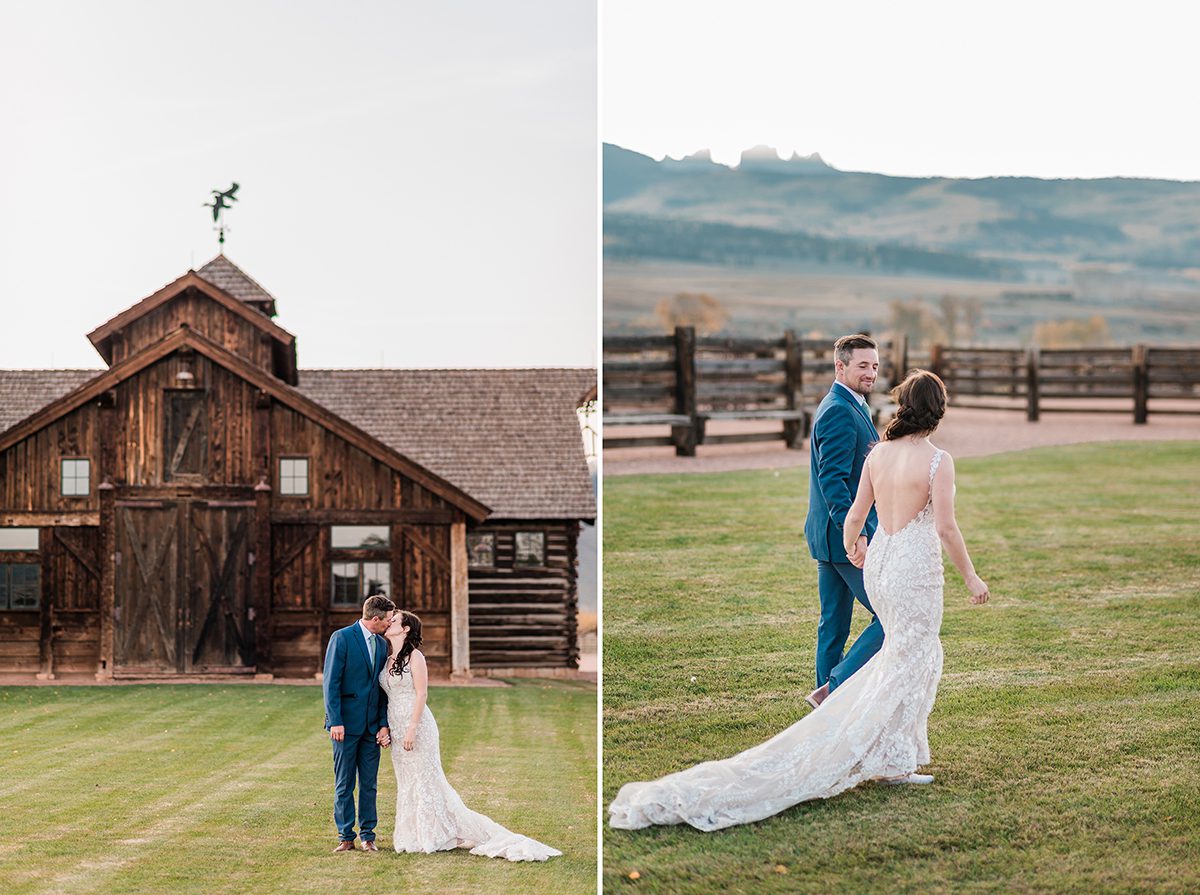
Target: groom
842 433
355 713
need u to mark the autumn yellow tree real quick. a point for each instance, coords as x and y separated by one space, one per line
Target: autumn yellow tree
1093 332
692 309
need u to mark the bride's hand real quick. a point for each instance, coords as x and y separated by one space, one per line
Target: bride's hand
978 589
409 736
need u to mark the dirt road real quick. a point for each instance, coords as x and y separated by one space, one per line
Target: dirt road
964 433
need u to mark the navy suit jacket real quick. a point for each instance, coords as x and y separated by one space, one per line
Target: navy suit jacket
353 697
842 434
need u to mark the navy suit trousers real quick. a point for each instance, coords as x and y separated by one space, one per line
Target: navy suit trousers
840 584
355 756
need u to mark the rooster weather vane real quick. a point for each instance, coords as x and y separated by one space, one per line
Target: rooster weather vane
222 200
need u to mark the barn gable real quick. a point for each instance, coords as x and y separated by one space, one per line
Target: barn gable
239 326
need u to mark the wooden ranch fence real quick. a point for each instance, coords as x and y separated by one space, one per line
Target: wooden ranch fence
1025 379
684 382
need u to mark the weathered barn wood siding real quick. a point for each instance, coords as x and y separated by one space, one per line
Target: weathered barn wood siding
140 451
31 471
340 475
205 316
302 617
526 617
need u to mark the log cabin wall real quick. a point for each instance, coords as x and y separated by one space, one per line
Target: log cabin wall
524 617
195 309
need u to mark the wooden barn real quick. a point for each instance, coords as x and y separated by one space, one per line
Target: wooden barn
205 507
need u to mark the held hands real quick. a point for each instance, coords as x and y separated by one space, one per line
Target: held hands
383 737
978 590
857 554
410 735
337 732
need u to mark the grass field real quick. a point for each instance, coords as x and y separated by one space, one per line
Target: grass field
1066 734
229 789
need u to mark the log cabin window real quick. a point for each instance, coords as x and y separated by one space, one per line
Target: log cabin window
530 548
293 476
360 563
20 569
481 551
76 477
185 435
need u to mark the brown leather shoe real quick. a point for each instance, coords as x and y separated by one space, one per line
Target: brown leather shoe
817 696
369 845
345 845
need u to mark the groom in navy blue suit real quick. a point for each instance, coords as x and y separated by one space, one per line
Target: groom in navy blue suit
355 713
842 433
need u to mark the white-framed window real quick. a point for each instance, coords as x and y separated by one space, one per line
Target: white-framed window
76 477
293 476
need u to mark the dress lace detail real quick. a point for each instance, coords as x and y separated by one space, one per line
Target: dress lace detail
430 815
873 725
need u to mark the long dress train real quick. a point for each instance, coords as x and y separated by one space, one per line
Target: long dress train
873 725
430 815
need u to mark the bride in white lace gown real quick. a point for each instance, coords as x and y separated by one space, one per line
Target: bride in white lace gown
430 815
872 727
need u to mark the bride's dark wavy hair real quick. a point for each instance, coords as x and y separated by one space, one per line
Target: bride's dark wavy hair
411 641
922 404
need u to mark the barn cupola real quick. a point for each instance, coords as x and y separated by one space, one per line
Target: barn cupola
220 302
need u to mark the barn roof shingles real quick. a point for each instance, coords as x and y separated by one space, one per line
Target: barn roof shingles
228 277
508 437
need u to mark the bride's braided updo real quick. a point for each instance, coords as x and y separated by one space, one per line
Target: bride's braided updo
922 403
411 641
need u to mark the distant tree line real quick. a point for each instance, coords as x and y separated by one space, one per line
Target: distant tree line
637 236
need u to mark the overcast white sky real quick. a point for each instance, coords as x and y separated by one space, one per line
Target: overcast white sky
418 180
1054 88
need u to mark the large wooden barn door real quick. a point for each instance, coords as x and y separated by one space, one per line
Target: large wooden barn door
183 587
218 634
146 620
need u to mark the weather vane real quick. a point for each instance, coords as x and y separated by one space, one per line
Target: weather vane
221 201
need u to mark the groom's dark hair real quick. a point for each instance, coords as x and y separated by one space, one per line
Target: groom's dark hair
844 348
377 606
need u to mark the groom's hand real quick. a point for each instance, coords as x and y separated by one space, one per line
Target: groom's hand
338 732
383 737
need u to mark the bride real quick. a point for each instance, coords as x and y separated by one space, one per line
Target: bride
873 727
430 816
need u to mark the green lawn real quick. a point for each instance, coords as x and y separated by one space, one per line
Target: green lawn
229 789
1066 734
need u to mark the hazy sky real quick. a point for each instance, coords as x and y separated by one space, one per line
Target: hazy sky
418 180
1053 88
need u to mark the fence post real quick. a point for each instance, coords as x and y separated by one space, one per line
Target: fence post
685 437
792 429
1031 384
902 355
935 361
1141 385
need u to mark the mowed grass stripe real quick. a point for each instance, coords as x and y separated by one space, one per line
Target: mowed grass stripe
1065 739
244 803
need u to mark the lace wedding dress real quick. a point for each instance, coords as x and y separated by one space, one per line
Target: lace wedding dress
430 815
872 726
